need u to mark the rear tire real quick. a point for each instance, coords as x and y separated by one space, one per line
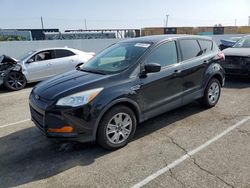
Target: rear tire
116 128
15 81
211 94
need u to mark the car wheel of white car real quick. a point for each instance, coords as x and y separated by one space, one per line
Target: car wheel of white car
15 81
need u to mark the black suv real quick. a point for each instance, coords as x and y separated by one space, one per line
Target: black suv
126 84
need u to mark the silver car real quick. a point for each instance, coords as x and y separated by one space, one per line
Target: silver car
40 65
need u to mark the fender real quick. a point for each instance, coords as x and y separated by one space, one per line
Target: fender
115 102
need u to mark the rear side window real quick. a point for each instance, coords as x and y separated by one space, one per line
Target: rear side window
63 53
215 47
206 46
164 55
189 48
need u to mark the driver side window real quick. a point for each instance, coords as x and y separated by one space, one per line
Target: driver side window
42 56
164 55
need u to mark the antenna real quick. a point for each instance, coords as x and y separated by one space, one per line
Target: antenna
85 23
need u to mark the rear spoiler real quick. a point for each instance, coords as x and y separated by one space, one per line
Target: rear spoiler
91 53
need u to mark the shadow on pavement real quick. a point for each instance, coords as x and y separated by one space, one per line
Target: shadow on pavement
239 82
5 90
27 156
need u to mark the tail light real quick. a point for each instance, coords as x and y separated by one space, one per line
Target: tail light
221 55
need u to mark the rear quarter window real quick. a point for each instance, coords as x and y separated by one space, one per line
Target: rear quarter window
189 48
215 46
206 45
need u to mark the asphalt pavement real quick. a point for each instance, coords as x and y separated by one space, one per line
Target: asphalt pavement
187 147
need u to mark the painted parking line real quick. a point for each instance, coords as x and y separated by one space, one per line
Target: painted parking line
15 123
14 93
189 154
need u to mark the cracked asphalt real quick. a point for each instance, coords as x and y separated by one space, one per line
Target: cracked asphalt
28 159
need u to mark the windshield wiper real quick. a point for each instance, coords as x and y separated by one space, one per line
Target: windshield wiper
92 71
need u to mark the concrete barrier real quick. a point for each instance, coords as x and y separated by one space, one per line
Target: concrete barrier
18 48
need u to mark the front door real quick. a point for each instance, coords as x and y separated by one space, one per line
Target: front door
40 66
162 91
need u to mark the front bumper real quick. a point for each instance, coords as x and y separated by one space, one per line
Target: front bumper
46 116
237 66
2 76
237 70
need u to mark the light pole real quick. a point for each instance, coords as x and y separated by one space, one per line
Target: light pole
42 22
85 23
167 15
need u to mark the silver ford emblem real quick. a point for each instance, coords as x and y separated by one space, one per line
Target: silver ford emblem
37 97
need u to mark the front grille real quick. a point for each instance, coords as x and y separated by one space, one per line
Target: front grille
37 117
233 71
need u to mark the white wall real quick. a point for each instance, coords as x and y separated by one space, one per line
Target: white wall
18 48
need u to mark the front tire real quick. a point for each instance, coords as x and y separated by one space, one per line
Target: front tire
211 94
15 81
116 128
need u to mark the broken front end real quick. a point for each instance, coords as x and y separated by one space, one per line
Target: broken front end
8 64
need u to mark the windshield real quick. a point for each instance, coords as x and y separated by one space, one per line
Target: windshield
116 58
243 43
23 57
235 38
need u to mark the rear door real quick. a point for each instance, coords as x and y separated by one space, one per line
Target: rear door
40 66
162 91
65 61
195 57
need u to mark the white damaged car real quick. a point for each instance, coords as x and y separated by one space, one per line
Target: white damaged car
39 65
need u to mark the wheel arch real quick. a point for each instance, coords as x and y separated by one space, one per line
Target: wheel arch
218 77
215 70
124 101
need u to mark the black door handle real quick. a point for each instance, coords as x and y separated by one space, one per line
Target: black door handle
205 62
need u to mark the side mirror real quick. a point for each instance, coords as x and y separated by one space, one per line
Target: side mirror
30 61
152 67
78 66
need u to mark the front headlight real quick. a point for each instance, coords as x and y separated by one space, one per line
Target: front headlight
79 99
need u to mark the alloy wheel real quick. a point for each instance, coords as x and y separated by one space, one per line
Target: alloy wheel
213 92
119 128
16 80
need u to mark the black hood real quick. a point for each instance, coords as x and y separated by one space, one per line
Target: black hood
237 52
68 83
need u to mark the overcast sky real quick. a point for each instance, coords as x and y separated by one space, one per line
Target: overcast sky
70 14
